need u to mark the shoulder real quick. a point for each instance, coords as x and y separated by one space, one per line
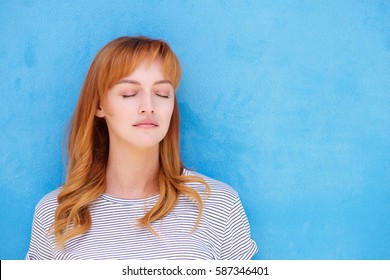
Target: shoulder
218 189
47 205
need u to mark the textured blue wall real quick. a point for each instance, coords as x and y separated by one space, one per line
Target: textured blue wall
287 101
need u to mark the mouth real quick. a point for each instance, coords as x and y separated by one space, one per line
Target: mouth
145 124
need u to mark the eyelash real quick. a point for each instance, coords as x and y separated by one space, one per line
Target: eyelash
162 95
132 95
129 95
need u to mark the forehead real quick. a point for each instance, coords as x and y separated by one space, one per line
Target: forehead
149 68
129 65
147 73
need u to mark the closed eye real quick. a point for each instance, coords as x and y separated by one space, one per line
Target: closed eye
127 95
162 94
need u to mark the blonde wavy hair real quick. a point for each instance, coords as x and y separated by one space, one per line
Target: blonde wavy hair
88 143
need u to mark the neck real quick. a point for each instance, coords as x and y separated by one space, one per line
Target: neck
133 173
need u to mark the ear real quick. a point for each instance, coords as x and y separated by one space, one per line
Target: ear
100 112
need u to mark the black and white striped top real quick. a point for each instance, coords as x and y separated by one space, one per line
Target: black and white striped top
223 232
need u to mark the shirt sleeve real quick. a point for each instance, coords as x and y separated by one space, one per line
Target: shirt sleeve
40 245
237 243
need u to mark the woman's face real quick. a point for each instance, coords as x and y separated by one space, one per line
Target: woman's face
138 108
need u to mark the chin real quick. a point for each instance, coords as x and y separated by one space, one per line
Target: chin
146 145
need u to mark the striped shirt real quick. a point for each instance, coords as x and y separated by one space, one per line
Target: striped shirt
223 232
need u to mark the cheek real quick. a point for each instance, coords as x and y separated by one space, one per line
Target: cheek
122 108
169 111
164 108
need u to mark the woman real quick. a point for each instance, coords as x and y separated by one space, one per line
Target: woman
127 195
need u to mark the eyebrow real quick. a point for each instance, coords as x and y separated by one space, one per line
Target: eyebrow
127 81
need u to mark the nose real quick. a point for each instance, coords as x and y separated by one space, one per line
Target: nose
146 106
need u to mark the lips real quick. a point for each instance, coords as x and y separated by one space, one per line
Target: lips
146 124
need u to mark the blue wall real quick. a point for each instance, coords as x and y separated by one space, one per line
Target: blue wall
287 101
